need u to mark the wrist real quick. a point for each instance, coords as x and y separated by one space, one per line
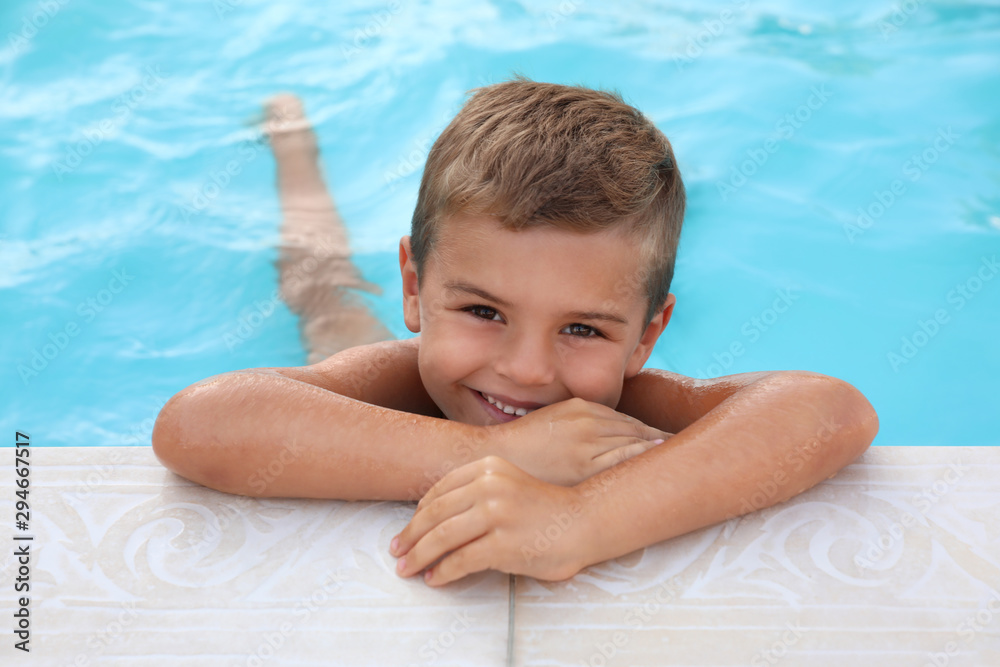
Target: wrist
492 440
586 533
600 535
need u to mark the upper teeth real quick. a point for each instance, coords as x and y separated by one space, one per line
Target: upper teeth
509 409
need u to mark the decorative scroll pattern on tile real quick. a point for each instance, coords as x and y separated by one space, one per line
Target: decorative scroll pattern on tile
895 561
134 565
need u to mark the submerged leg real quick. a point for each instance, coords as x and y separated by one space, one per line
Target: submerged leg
318 280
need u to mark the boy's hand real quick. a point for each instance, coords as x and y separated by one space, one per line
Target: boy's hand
570 441
489 514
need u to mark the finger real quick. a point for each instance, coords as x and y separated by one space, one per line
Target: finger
619 422
645 432
624 453
635 433
463 475
626 431
443 538
449 484
426 518
455 479
469 559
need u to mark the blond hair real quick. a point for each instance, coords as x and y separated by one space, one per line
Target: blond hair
574 158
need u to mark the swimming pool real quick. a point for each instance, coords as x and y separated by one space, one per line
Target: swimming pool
841 161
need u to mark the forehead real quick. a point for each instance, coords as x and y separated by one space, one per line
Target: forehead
604 266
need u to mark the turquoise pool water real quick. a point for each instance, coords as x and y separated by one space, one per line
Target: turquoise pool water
842 163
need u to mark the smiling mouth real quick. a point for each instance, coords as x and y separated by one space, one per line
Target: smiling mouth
506 409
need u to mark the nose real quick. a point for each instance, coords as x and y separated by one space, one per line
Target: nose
526 359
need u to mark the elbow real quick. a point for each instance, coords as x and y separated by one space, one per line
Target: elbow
188 441
167 437
857 416
176 443
865 417
848 421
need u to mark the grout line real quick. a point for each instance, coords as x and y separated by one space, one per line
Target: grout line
510 621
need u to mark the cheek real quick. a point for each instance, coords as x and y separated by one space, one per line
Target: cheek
596 376
453 349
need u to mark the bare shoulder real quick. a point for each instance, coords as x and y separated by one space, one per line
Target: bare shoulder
384 374
671 401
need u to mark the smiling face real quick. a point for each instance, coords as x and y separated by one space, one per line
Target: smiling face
512 321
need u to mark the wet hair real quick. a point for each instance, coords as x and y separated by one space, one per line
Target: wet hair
541 154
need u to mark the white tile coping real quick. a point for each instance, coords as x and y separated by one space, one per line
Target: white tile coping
895 561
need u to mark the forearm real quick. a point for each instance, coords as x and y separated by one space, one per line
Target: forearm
264 434
765 443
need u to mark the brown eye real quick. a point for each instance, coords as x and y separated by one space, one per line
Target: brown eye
484 312
582 331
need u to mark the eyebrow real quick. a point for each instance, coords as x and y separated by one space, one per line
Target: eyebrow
457 286
597 315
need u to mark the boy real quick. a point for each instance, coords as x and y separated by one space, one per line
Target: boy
538 274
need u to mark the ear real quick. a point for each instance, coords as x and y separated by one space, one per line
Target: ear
649 337
411 286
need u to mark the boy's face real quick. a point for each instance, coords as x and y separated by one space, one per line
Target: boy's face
514 321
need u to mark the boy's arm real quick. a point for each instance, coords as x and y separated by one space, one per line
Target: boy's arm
762 438
305 432
360 426
744 442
